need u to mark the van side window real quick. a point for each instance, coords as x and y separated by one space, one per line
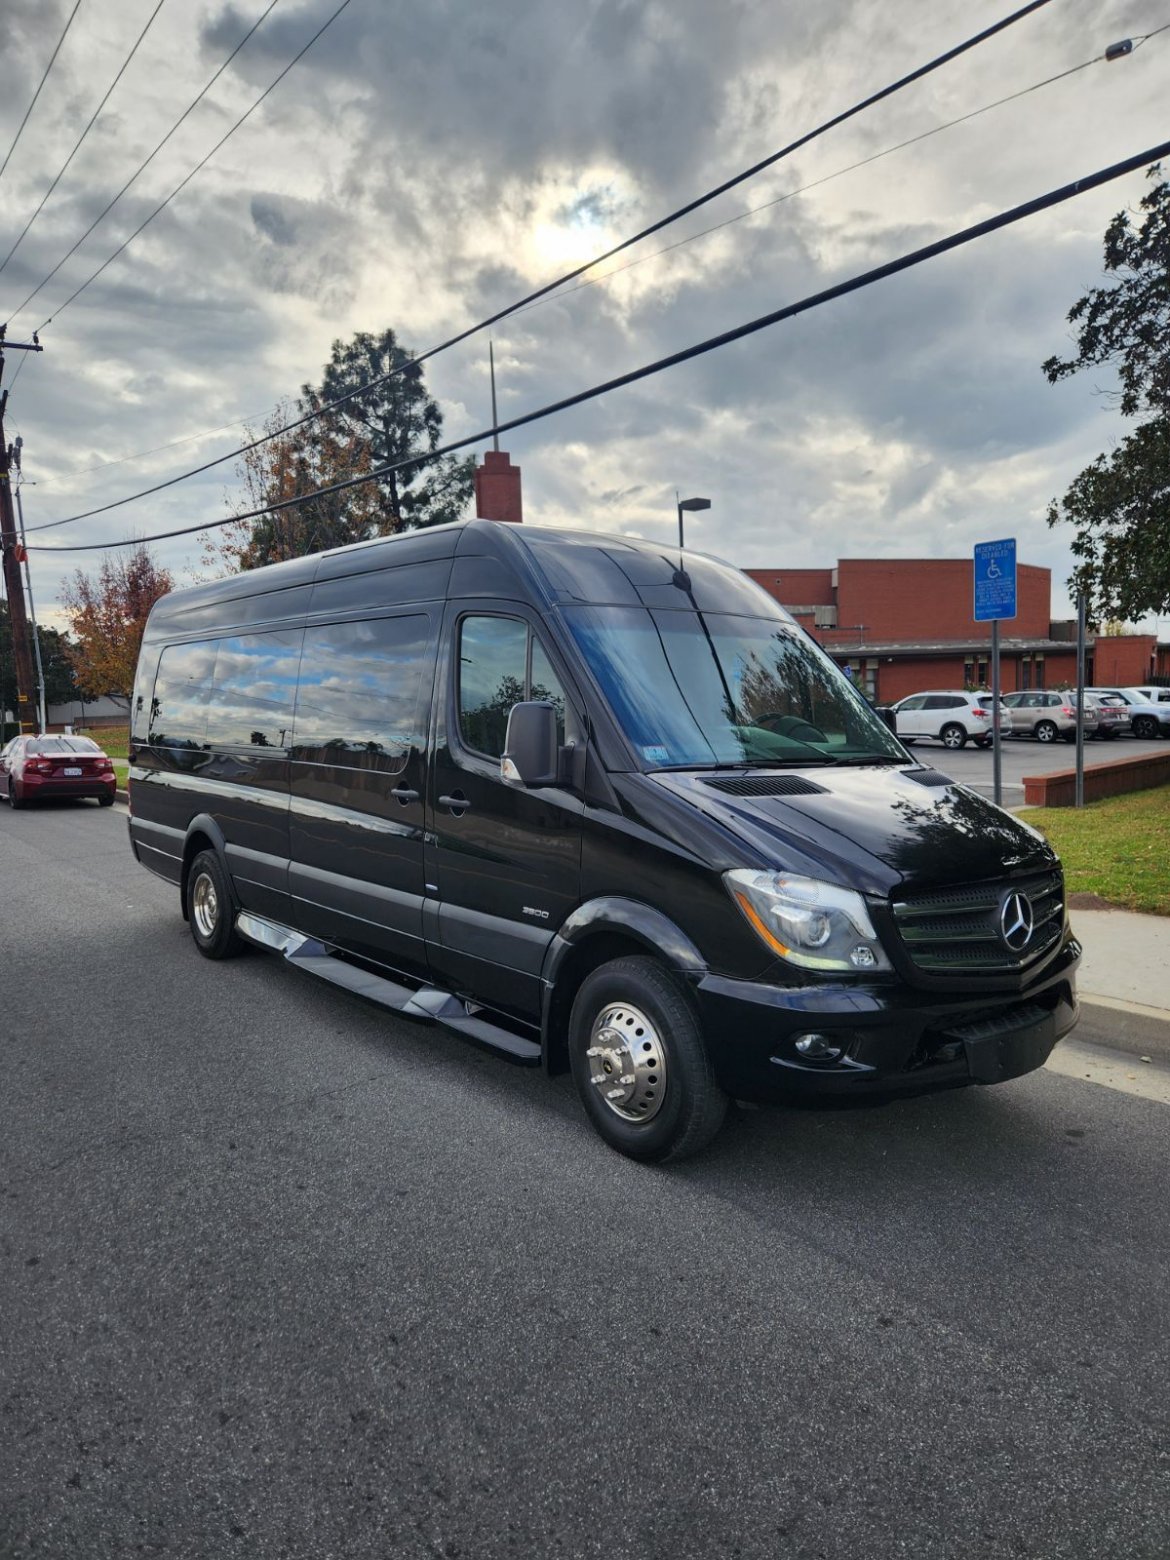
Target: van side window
495 672
358 694
252 691
178 711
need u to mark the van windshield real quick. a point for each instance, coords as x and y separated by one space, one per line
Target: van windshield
692 689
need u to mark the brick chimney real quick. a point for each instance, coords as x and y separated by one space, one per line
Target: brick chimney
497 489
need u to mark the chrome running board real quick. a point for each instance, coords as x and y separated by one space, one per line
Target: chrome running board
427 1002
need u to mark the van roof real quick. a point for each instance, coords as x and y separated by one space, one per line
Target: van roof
557 566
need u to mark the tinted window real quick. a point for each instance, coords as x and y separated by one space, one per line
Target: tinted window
693 688
253 690
501 663
358 695
914 702
944 701
178 711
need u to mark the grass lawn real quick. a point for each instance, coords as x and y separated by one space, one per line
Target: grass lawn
1118 849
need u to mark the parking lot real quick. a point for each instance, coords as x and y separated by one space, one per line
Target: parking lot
1025 756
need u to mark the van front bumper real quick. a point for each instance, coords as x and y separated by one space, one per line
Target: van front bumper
890 1039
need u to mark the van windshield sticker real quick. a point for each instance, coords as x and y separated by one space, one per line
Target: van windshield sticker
656 755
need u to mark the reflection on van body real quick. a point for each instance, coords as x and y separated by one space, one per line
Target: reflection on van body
597 805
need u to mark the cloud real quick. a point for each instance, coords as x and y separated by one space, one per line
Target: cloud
424 165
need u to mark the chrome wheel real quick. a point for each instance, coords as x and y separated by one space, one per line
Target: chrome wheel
627 1064
205 905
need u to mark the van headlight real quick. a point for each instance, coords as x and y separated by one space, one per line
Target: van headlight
813 924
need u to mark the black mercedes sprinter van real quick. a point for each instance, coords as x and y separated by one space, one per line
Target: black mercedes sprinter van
599 805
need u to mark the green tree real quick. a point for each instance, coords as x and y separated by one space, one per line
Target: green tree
56 660
1120 504
395 420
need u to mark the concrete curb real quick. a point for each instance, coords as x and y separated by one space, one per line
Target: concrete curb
1124 1026
122 796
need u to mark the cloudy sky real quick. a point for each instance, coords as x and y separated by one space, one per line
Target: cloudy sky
427 163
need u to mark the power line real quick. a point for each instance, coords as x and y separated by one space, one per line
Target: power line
569 276
813 184
789 311
142 167
82 136
202 163
593 281
37 93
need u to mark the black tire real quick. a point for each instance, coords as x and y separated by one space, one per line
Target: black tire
211 908
1145 727
1070 736
907 741
14 797
105 801
1110 736
1046 731
683 1102
953 736
983 742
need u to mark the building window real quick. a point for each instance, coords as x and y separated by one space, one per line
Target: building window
863 674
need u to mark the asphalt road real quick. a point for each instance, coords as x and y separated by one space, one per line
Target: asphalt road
285 1277
1025 756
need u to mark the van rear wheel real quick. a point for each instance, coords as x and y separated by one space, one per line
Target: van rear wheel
640 1064
211 908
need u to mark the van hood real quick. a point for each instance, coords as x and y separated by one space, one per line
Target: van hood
875 828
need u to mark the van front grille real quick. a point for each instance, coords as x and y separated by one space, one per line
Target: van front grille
962 928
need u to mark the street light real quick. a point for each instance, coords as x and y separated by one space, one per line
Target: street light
690 504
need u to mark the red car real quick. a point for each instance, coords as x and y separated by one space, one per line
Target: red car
36 767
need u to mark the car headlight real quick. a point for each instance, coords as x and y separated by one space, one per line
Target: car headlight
813 924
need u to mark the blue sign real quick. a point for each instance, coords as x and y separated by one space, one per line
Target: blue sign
995 580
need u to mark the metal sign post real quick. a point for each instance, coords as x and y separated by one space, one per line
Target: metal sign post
1079 799
995 598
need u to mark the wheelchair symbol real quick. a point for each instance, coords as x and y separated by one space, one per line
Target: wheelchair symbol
993 571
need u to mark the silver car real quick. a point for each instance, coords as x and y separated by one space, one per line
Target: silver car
1046 716
1145 718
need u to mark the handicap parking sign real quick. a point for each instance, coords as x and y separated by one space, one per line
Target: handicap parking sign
995 580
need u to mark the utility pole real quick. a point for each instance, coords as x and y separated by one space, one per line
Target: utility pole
14 460
13 556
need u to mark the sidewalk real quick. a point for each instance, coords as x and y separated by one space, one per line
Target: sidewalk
1126 969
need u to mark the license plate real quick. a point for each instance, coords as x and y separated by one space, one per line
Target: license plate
71 771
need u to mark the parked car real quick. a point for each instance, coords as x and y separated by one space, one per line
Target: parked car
1046 716
1151 695
1112 716
594 811
32 768
1146 719
951 717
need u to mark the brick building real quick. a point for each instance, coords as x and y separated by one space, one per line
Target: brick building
905 624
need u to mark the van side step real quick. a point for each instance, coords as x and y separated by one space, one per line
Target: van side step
427 1002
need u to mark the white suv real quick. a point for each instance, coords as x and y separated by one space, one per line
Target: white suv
950 717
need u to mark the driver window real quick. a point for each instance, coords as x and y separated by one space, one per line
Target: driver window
496 671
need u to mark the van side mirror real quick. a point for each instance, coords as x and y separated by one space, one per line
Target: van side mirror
888 717
530 747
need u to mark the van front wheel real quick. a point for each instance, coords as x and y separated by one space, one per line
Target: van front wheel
210 906
640 1064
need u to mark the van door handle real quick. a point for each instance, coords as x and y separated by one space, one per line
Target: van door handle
457 802
404 794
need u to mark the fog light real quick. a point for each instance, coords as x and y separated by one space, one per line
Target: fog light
817 1048
862 958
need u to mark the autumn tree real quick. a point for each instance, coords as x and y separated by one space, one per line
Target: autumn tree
1120 504
284 466
108 617
383 424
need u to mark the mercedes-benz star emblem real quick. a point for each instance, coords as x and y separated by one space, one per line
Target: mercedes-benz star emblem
1016 921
